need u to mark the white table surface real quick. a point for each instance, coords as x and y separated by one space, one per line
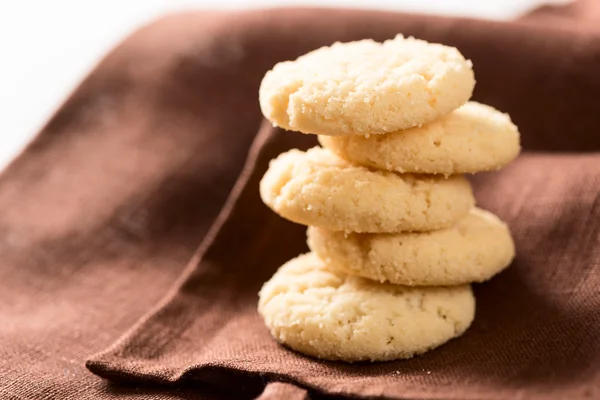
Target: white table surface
48 46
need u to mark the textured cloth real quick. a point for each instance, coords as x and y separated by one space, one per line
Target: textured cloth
123 243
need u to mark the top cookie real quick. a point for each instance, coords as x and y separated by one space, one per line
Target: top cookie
366 87
471 139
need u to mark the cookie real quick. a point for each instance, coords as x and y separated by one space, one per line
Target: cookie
473 250
318 188
473 138
366 87
330 315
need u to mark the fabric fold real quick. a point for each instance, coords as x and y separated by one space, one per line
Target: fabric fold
280 390
525 315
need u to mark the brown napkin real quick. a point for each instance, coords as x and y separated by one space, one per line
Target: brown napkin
580 14
102 214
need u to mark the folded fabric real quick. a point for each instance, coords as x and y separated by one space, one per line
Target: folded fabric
104 213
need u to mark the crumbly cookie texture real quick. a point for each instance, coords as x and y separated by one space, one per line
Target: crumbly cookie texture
334 316
366 87
318 188
471 139
473 250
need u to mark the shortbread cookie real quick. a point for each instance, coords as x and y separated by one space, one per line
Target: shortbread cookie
318 188
473 138
473 250
366 87
334 316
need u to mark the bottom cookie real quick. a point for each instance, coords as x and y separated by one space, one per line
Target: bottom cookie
334 316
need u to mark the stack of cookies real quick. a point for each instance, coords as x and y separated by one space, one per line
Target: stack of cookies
394 233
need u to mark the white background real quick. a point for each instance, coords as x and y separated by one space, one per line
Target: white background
48 46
